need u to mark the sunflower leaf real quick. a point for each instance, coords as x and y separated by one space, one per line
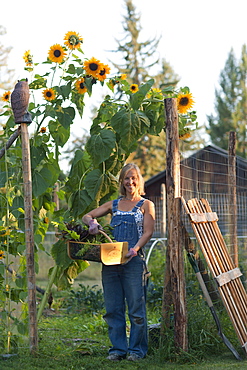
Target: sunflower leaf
100 145
137 98
128 126
59 133
65 116
80 201
38 84
97 184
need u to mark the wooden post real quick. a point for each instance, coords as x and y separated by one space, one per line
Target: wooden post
232 196
31 283
163 210
174 284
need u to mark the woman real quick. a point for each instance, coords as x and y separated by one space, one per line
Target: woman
133 220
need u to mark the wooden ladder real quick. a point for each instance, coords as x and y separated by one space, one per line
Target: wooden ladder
208 234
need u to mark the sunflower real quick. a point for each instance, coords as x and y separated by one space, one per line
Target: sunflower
1 254
134 88
43 130
93 67
80 86
157 93
123 76
6 96
73 40
56 53
185 136
184 102
105 69
49 94
28 58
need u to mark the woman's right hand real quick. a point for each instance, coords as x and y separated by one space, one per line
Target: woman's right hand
94 227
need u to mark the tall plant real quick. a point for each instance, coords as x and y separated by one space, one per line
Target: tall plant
92 178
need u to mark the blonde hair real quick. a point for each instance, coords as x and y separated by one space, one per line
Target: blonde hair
124 171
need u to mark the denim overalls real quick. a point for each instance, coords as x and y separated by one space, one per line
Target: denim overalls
122 282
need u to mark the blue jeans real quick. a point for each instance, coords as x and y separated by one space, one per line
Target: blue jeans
122 282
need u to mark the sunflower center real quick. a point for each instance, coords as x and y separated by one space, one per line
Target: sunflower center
73 40
93 66
57 53
102 72
184 101
81 85
48 94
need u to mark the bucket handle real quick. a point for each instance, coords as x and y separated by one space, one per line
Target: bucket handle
105 235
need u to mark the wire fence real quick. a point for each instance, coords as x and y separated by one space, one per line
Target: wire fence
206 175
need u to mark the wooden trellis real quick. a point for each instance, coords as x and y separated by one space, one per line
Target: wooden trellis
223 270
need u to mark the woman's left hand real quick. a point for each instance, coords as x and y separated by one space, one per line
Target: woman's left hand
131 253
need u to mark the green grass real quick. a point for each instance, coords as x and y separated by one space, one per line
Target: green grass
81 342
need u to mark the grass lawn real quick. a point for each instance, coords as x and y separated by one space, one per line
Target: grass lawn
81 342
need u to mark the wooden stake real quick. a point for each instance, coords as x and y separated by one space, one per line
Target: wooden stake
232 196
31 283
174 284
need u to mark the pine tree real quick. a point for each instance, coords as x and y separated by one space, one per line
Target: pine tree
240 114
231 104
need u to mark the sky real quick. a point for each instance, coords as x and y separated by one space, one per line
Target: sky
196 37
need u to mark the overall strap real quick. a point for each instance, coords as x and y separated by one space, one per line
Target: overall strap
138 205
115 205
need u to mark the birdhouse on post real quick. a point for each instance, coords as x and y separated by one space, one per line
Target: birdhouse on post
19 104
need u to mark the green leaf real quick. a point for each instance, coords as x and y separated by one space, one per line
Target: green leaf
50 111
79 168
17 206
79 203
97 184
78 100
137 98
88 81
66 116
156 114
38 84
37 153
3 179
128 126
45 177
71 69
60 254
64 90
59 133
100 146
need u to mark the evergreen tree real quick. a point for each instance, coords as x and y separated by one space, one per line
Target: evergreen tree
240 114
231 104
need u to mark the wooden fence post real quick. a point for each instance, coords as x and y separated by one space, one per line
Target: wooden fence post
163 210
174 283
232 196
31 283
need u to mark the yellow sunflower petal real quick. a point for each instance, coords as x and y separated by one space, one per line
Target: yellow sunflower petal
80 86
49 94
105 70
134 88
6 96
73 40
56 53
184 102
93 67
